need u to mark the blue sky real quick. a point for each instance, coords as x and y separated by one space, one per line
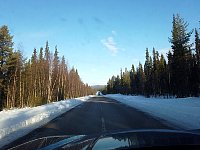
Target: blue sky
98 37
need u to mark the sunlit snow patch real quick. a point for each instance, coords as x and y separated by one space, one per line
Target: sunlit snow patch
18 122
183 113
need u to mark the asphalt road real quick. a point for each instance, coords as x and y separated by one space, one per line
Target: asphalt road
95 116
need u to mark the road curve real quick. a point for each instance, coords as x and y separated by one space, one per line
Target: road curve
97 115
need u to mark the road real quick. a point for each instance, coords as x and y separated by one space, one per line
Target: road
97 115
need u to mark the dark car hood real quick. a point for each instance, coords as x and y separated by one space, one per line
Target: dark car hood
118 140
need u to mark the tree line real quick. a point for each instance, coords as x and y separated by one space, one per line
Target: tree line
42 79
178 75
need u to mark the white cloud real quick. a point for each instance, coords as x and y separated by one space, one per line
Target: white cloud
110 44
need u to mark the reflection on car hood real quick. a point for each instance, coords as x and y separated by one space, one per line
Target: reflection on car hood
118 140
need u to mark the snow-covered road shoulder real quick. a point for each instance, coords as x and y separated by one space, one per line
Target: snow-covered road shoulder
183 113
18 122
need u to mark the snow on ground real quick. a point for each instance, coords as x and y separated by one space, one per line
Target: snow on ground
183 113
18 122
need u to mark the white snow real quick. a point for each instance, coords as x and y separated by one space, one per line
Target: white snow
98 93
183 113
18 122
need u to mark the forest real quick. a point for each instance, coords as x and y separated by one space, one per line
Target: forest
43 79
176 75
46 77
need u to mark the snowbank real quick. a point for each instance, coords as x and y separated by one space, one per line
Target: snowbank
184 113
18 122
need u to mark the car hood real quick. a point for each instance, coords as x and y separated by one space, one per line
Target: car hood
116 140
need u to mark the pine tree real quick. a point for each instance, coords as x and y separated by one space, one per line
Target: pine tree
132 78
170 84
195 67
12 81
33 83
55 76
181 56
64 80
41 76
140 80
116 85
148 74
48 73
126 82
27 87
6 51
162 74
121 81
109 87
180 76
155 80
197 46
19 82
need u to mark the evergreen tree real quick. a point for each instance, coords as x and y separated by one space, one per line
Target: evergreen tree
140 80
179 76
148 74
48 73
55 76
155 79
132 78
121 82
6 51
163 78
170 84
109 86
196 69
116 85
33 83
181 56
36 81
197 46
126 82
41 77
64 79
12 73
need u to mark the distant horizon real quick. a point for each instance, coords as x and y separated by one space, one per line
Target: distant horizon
96 37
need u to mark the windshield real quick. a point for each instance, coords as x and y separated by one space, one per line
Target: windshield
74 67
